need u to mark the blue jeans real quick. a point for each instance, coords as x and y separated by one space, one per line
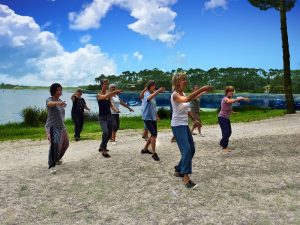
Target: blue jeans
226 131
186 146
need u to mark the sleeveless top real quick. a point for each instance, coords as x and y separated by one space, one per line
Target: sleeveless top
116 102
104 108
180 112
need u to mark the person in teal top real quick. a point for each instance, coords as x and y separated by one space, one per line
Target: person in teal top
149 116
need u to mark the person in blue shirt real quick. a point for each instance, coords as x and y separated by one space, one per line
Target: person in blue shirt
150 117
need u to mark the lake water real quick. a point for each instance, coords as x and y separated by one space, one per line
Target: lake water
13 101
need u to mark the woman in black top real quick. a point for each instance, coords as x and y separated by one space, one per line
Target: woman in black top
77 112
105 118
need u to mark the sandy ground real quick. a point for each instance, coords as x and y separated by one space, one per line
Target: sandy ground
257 183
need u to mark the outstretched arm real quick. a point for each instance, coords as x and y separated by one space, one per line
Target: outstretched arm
151 96
141 95
126 106
238 99
87 108
108 95
182 99
56 103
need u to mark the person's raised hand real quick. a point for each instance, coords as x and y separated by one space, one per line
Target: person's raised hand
118 91
62 104
209 88
161 89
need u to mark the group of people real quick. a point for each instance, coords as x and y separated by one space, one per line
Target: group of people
183 106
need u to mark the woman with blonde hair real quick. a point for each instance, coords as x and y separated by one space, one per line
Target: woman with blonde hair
180 128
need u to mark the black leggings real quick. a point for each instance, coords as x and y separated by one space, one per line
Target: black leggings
115 122
78 120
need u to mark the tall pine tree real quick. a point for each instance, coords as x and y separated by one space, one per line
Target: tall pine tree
283 6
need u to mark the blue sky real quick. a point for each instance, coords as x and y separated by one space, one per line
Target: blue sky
72 42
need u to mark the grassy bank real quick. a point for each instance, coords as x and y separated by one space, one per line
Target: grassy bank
91 130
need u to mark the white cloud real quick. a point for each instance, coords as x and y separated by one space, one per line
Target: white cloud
85 39
90 16
138 56
45 25
154 18
179 58
80 67
29 55
212 4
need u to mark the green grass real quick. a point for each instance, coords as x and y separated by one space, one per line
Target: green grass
91 130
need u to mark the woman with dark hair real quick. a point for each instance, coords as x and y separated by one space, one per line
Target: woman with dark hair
55 127
195 111
224 116
150 117
105 119
77 112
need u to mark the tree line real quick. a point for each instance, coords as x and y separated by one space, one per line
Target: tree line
243 79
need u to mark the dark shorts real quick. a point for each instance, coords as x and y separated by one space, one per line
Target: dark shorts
152 127
115 122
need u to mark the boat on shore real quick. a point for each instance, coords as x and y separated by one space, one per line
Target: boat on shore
132 103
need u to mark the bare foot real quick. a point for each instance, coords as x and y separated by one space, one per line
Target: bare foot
226 150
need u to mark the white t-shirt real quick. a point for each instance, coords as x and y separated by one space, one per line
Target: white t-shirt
180 112
115 100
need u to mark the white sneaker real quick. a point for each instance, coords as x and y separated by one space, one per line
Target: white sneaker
113 143
52 170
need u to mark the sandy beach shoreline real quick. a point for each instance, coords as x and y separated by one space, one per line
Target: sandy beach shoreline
257 183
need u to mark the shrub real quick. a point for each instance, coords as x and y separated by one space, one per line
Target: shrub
163 113
249 108
91 116
34 116
43 116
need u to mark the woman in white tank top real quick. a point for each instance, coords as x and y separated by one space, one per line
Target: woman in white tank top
180 128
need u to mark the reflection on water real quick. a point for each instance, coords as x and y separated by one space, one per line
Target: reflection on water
13 101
